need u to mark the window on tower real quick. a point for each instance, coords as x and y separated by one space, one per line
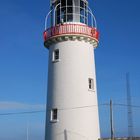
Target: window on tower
53 117
91 84
56 55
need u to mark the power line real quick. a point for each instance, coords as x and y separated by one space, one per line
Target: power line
21 113
125 105
40 111
80 107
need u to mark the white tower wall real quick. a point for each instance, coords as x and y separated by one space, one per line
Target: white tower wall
68 91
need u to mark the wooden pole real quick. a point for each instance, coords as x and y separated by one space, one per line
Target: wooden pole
111 120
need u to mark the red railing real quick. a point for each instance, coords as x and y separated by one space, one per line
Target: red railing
71 29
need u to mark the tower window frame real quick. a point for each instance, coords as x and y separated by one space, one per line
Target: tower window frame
54 115
56 55
91 84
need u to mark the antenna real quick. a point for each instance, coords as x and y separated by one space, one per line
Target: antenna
27 131
129 108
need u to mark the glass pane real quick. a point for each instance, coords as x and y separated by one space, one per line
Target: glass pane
86 13
63 14
58 15
55 114
82 19
82 12
63 3
69 17
76 10
69 2
69 9
81 4
56 54
91 86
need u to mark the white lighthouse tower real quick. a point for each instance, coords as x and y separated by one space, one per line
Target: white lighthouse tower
72 107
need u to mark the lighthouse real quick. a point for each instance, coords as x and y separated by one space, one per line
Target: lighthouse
71 37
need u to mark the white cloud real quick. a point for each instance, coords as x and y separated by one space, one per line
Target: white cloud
6 105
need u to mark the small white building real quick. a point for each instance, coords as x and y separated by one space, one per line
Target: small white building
72 107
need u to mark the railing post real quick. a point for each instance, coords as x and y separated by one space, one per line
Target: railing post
46 19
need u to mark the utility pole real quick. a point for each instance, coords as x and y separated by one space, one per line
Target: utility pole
111 120
129 108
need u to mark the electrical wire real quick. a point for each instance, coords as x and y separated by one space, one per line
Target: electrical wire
21 113
80 107
41 111
125 105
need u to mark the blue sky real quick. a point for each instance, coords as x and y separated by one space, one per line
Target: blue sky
24 64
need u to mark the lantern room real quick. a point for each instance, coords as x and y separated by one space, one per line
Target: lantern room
66 11
70 17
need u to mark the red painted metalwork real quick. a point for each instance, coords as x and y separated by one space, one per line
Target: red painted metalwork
71 29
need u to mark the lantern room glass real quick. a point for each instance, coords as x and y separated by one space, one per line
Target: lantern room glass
70 11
